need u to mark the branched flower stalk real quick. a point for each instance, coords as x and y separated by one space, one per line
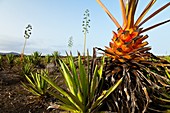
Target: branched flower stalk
86 26
27 35
70 43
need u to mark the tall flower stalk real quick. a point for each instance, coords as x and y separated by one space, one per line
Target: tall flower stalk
70 43
27 35
86 26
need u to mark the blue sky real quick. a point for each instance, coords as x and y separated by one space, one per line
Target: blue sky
54 21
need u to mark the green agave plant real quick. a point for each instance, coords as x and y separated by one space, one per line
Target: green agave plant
167 58
36 58
27 68
1 58
47 59
83 92
28 59
10 58
36 84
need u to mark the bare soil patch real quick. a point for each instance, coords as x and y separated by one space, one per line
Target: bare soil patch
15 99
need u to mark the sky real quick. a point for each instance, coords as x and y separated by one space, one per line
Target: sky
55 21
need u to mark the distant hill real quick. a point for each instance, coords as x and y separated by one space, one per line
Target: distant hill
14 53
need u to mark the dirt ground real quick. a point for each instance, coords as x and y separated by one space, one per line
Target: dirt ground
15 99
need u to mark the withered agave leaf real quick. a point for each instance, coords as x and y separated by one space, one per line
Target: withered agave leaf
143 81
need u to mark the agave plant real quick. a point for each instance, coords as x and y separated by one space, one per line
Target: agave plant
36 58
36 84
83 92
167 58
28 59
10 59
1 62
145 80
27 68
47 59
55 55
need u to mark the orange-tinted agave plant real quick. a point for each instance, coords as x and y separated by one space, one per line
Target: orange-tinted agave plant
128 42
